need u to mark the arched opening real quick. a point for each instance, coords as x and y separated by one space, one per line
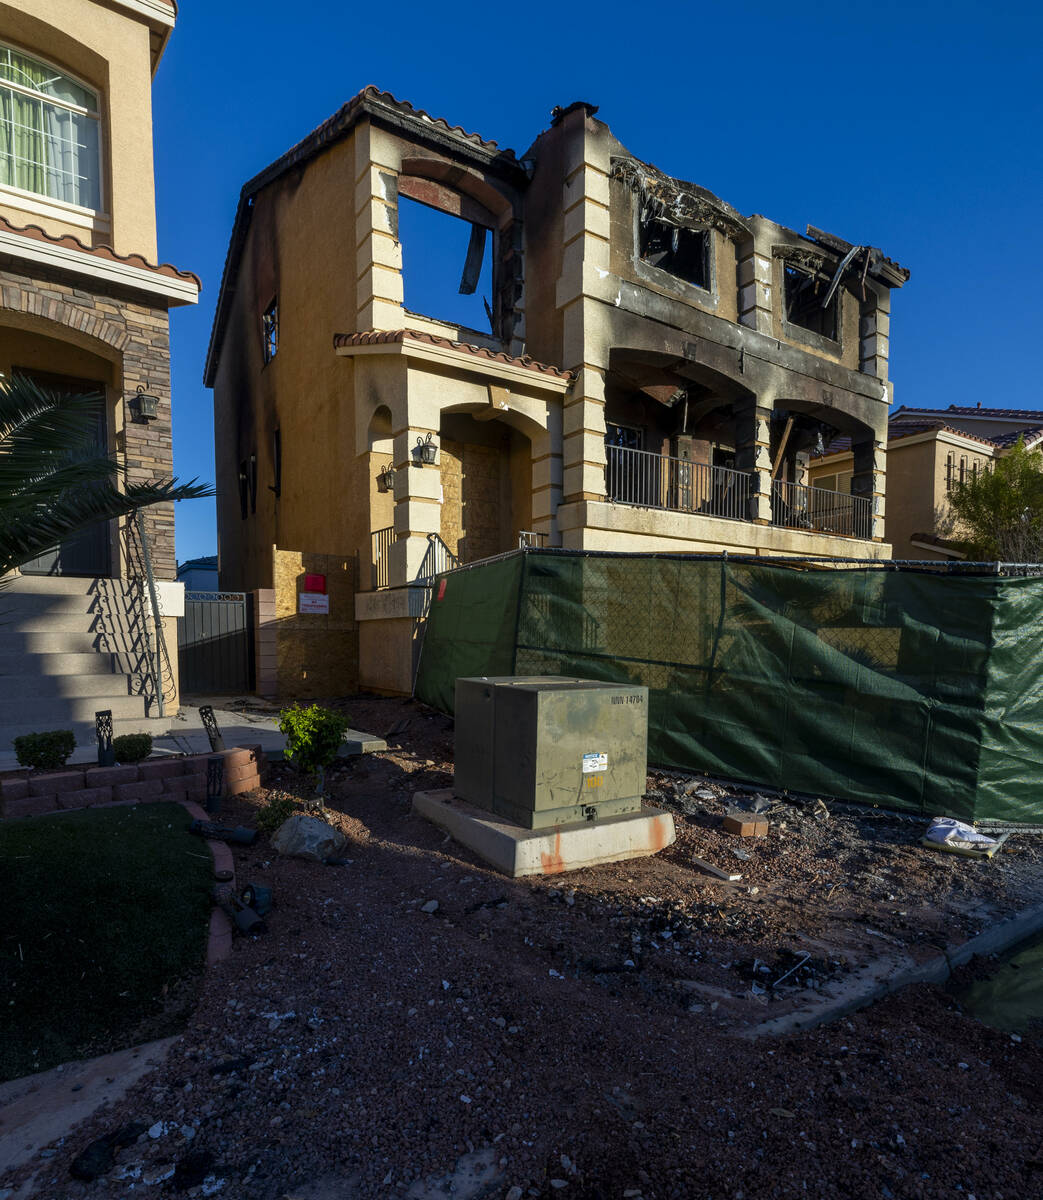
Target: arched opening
69 368
486 477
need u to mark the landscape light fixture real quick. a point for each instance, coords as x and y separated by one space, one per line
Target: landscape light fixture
426 451
386 479
144 406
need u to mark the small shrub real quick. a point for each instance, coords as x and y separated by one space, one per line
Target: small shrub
313 736
132 747
271 815
45 751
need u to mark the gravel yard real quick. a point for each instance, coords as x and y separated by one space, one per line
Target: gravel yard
588 1035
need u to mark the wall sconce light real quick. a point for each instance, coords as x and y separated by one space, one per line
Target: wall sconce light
386 479
426 451
143 406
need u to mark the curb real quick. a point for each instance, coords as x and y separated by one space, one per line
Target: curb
219 941
994 940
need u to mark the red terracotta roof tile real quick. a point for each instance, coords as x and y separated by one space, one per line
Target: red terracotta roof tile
392 336
73 243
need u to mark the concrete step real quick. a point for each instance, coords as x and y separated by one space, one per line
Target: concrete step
57 712
67 687
58 622
57 663
50 641
84 731
70 585
15 606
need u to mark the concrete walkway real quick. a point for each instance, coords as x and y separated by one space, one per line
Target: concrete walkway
246 724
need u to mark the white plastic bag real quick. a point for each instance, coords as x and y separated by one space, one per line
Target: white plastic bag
957 833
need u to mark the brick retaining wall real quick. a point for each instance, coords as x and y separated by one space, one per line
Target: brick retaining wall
25 795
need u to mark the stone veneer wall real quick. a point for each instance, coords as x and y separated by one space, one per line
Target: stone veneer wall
138 330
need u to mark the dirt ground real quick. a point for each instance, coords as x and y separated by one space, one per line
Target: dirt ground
587 1035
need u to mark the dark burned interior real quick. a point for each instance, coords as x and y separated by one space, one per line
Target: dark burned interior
804 295
682 251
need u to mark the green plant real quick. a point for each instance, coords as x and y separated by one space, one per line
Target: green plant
52 482
45 751
313 736
997 514
132 747
271 815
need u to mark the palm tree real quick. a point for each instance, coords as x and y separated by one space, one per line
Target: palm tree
53 482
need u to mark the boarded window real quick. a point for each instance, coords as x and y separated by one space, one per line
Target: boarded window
804 296
681 251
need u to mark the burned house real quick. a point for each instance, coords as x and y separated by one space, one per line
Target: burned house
618 360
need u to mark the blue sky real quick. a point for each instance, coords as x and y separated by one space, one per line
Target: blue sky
914 127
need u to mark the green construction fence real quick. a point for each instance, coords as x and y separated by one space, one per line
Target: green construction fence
911 686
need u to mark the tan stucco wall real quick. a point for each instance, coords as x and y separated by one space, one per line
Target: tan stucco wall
109 50
296 252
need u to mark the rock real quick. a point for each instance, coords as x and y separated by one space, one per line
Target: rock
96 1160
514 1194
430 907
301 836
192 1169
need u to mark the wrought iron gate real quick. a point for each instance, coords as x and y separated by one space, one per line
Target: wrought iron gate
215 643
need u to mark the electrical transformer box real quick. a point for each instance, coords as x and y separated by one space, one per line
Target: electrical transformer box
550 750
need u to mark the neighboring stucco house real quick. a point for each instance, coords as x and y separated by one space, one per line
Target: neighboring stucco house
199 574
929 452
84 308
654 373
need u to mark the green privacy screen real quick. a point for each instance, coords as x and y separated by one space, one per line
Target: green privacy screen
911 688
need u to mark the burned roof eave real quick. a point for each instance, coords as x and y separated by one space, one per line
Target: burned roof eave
882 268
682 202
399 118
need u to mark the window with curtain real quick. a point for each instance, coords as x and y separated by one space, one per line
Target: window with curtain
49 142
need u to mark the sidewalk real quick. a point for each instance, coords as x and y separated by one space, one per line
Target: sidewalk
245 722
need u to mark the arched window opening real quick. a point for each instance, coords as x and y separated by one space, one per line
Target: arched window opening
49 132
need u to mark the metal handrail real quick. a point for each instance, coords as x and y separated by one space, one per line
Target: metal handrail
380 553
641 477
438 559
161 645
531 539
820 510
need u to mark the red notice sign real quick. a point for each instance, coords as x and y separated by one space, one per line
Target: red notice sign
441 588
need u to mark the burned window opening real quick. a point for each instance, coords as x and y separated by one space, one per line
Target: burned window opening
447 269
276 487
244 489
270 331
677 249
804 294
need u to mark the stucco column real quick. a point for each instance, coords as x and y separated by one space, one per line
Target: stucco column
753 454
869 479
418 507
379 288
874 328
753 263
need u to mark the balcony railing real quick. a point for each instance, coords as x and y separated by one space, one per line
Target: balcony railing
658 481
650 480
820 510
380 555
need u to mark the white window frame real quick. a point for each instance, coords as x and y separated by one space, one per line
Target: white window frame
38 202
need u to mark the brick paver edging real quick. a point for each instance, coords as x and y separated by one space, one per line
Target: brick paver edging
151 782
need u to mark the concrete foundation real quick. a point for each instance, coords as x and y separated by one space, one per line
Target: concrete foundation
515 851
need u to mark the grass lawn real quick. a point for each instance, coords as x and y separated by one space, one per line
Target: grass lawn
103 926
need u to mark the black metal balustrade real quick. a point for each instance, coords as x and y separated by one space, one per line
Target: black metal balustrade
659 481
649 480
380 554
821 511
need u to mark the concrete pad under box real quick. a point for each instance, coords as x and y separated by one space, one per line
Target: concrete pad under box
56 781
142 789
515 851
85 798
